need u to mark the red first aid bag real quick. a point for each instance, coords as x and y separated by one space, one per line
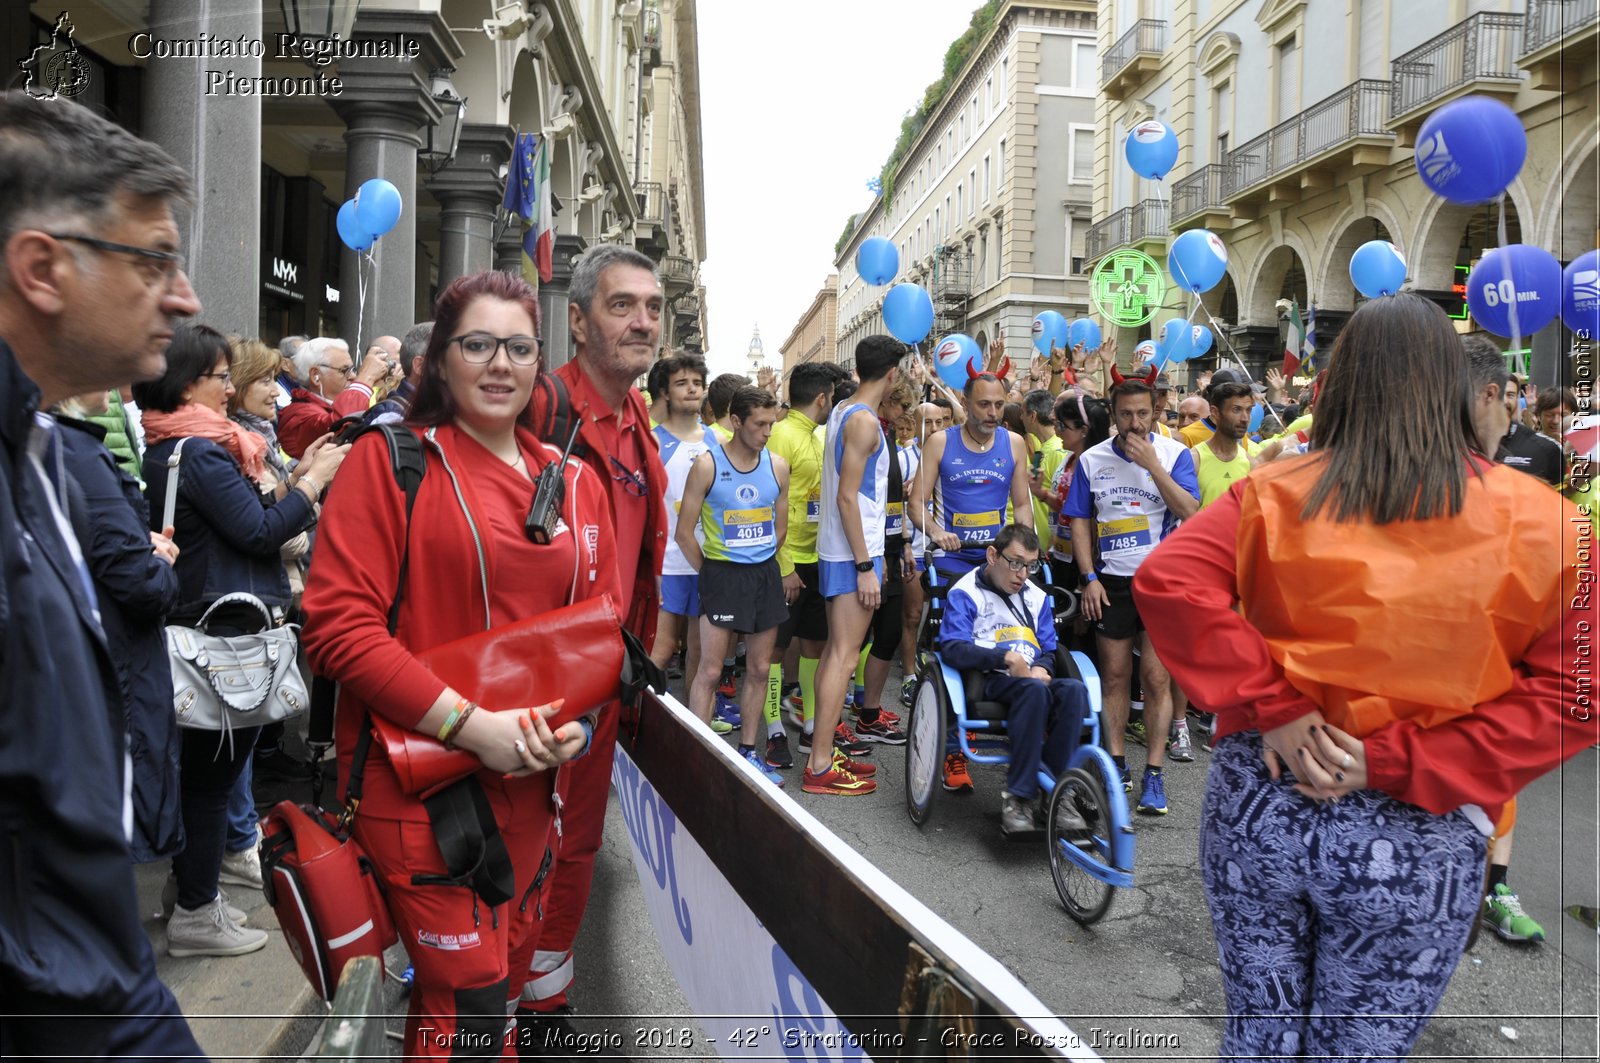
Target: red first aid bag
325 892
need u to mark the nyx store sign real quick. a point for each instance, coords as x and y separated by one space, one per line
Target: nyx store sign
284 279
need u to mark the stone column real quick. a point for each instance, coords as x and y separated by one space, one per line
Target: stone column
385 104
470 190
1257 346
553 300
508 250
217 138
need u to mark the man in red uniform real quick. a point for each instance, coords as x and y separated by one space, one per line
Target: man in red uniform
615 318
332 388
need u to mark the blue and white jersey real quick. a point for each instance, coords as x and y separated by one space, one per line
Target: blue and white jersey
978 613
971 493
872 498
678 456
1122 499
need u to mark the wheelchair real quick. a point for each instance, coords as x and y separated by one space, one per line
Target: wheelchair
1086 864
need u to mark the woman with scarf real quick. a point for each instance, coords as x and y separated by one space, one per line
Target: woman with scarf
229 536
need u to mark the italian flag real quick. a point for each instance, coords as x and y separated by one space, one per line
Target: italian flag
1294 343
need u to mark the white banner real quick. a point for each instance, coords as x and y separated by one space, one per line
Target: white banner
749 997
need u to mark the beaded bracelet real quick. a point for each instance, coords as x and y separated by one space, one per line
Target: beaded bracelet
449 740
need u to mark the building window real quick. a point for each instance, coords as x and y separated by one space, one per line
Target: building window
1080 161
986 178
1084 71
1288 80
937 231
1222 118
988 88
999 248
947 222
950 146
963 127
1000 174
972 183
959 188
1005 65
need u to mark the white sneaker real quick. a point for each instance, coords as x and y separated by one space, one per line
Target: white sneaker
207 931
169 901
242 868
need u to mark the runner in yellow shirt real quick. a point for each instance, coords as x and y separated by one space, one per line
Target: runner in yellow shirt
1047 453
1225 457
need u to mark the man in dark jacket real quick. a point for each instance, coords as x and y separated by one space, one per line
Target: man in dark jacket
91 285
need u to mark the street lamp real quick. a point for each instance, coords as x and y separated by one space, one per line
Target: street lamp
441 138
320 18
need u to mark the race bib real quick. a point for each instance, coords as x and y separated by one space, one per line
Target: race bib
976 527
1017 639
814 506
1128 533
747 529
894 518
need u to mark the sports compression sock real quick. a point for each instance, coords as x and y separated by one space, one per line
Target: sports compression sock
774 700
1497 876
859 693
808 689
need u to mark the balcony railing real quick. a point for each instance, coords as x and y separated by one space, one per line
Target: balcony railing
1147 37
1198 192
1483 46
652 199
1126 227
677 273
1547 21
1359 110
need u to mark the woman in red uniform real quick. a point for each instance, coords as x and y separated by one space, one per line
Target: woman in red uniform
470 568
1383 629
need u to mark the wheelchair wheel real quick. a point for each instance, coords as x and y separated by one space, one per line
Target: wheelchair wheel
924 743
1074 852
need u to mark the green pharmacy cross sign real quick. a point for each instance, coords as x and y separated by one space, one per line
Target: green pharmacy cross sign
1128 288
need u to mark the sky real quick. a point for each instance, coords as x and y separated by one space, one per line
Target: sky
800 105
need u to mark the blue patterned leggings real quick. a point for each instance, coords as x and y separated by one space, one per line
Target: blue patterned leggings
1338 925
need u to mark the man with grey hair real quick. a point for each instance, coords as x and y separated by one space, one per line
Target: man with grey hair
1494 415
288 347
330 390
615 321
398 404
91 287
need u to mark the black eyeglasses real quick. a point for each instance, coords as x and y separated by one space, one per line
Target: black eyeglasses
630 480
1018 565
342 370
479 348
171 263
225 377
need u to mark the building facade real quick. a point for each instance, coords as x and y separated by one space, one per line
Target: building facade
991 201
279 131
815 336
1297 120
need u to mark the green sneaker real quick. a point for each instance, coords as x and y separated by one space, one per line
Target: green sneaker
1138 732
720 727
1502 913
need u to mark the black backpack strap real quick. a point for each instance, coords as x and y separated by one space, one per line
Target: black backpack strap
554 423
409 465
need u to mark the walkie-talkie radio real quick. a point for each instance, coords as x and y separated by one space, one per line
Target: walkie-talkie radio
549 491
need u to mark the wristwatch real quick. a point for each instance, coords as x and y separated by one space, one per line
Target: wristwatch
864 566
1090 577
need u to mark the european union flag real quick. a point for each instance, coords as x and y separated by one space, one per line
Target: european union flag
520 180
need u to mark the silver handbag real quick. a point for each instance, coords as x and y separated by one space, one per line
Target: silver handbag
220 682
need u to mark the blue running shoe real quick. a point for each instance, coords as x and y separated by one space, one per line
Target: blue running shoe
756 761
1153 797
727 711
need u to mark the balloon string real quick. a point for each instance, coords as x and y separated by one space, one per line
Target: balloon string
1511 311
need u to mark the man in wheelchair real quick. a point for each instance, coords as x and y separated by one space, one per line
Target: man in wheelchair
997 623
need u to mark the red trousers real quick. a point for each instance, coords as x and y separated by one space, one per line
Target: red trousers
464 951
584 785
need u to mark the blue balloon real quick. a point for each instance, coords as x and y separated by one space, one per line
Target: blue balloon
908 313
952 357
1085 333
1202 339
1151 149
1197 260
877 260
1255 418
1580 295
1521 275
1377 268
1177 340
1049 330
377 206
1147 353
350 231
1471 149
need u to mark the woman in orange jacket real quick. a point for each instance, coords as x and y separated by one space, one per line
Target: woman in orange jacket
1383 628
